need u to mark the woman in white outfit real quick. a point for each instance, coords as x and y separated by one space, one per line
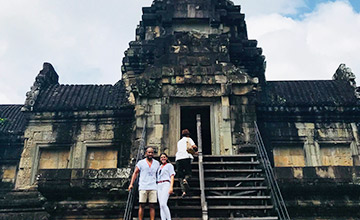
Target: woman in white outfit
165 181
183 161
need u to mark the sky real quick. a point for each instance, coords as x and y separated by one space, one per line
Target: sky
85 40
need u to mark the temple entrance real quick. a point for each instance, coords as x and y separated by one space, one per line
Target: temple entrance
188 121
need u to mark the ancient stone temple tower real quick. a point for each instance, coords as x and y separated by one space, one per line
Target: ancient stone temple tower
67 153
189 57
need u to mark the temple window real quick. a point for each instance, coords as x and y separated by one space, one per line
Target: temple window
291 155
336 155
101 158
54 158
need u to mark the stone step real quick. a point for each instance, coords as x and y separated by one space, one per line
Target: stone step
230 170
185 218
241 207
231 179
236 188
230 163
240 188
240 157
247 149
247 218
233 186
239 197
187 207
230 156
220 197
219 157
195 165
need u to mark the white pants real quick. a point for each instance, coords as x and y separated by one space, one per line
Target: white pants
163 196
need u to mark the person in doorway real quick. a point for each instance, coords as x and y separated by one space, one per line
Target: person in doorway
183 161
165 181
147 169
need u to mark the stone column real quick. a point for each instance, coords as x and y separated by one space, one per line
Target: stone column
225 134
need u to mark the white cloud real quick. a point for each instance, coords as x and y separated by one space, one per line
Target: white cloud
261 7
311 48
85 39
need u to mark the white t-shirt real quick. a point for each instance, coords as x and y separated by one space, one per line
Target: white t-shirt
165 172
147 179
181 149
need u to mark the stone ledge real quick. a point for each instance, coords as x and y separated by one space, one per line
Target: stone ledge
318 175
63 183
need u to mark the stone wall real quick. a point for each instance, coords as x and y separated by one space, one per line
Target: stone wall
84 193
312 144
74 164
318 193
10 151
61 140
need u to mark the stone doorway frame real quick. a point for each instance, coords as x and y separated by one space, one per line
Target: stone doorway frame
174 119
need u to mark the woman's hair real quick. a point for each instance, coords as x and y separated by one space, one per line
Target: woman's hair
185 133
167 161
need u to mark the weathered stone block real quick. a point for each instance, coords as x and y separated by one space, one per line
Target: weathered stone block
242 89
8 173
204 61
208 80
165 80
327 172
221 79
25 162
156 109
23 178
192 61
187 71
89 136
157 119
37 136
90 127
298 173
179 80
168 71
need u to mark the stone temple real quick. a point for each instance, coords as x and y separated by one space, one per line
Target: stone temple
68 152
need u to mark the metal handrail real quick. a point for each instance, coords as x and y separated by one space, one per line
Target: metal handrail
204 208
269 172
131 196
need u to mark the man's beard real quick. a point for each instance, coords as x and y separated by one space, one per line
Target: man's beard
149 157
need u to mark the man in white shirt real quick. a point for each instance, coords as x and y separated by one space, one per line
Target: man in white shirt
147 169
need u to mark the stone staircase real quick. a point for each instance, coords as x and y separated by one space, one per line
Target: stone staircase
235 188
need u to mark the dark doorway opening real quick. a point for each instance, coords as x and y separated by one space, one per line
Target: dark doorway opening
188 121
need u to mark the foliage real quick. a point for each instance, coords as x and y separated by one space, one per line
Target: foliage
2 121
148 87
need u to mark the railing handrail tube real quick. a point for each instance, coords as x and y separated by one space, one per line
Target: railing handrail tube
269 172
131 195
275 191
204 208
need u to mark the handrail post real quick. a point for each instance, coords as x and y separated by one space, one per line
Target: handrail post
269 172
131 195
204 208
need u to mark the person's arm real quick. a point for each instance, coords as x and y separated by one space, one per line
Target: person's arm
133 178
193 146
171 190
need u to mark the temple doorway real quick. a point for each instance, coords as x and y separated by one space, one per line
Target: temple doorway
188 121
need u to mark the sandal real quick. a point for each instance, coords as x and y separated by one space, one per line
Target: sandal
183 195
